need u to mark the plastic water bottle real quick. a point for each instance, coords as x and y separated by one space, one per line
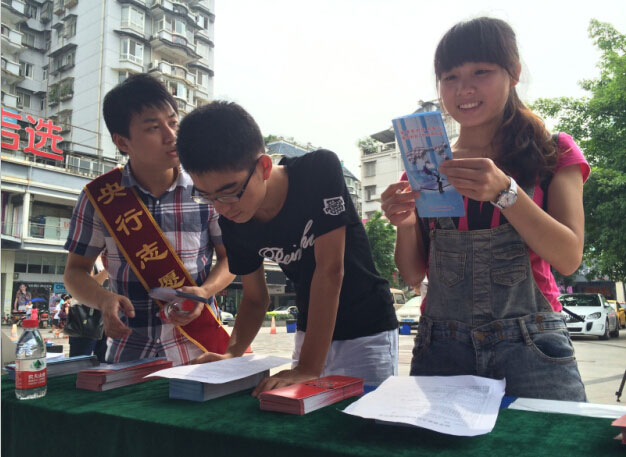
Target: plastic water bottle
183 308
30 363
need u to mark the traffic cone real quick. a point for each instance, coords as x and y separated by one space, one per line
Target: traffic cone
14 332
273 328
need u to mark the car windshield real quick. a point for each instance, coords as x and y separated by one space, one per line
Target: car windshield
579 300
282 308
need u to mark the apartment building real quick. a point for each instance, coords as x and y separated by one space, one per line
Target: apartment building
59 59
382 164
285 148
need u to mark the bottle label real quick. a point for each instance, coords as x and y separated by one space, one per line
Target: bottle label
30 373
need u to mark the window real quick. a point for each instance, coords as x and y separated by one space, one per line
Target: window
177 89
203 21
131 50
202 49
26 70
21 262
180 27
23 99
69 29
45 73
28 38
68 59
370 169
123 76
48 264
30 11
34 263
132 18
202 79
370 192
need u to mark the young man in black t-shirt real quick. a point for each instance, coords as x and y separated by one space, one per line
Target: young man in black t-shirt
300 215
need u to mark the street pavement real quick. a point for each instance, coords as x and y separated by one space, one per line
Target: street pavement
601 363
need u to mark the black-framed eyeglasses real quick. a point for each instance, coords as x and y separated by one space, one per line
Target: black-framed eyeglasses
200 197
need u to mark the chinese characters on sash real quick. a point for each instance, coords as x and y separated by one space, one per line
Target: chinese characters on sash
131 220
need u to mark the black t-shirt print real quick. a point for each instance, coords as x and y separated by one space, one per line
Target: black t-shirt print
317 202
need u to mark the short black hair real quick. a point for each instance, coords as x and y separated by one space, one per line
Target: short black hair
218 136
132 96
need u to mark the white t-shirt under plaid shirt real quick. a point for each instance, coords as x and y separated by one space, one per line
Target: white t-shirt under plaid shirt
192 230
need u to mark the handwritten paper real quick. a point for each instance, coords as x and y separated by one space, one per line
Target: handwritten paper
456 405
224 370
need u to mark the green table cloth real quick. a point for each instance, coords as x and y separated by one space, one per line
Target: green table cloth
141 420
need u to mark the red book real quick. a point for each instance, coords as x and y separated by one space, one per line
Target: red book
111 376
308 396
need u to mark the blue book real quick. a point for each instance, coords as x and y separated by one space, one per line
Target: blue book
424 145
184 389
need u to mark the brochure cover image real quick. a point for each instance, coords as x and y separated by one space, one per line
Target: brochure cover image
424 145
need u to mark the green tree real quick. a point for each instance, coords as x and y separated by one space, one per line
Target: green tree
598 124
368 145
270 139
382 237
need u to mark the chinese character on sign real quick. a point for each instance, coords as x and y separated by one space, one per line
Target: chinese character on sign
131 215
171 280
110 191
37 137
15 143
150 252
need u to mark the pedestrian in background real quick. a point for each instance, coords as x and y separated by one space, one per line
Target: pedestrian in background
22 298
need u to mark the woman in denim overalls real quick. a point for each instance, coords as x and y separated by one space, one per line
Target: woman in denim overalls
485 314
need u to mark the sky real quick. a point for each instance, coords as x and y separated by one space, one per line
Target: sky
329 72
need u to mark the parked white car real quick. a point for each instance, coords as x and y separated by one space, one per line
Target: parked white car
410 312
227 318
599 317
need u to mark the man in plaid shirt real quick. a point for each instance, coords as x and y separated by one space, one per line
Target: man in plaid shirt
142 117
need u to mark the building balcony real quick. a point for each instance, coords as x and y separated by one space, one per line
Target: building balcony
46 13
204 5
11 41
176 8
70 3
11 72
183 105
174 46
173 71
12 232
9 100
202 93
13 11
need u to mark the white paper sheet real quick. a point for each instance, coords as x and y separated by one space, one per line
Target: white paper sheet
223 370
456 405
569 407
54 355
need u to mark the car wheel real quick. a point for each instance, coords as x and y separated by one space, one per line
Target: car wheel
615 334
606 335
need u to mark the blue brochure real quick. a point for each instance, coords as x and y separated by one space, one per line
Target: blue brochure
424 145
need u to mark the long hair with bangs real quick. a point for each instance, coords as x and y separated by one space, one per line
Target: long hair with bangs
526 149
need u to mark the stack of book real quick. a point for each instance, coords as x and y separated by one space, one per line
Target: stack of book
61 366
308 396
111 376
182 389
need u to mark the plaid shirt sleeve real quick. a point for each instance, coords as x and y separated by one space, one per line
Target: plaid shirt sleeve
86 236
215 232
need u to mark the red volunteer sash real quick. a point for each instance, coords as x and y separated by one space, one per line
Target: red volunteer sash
149 253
